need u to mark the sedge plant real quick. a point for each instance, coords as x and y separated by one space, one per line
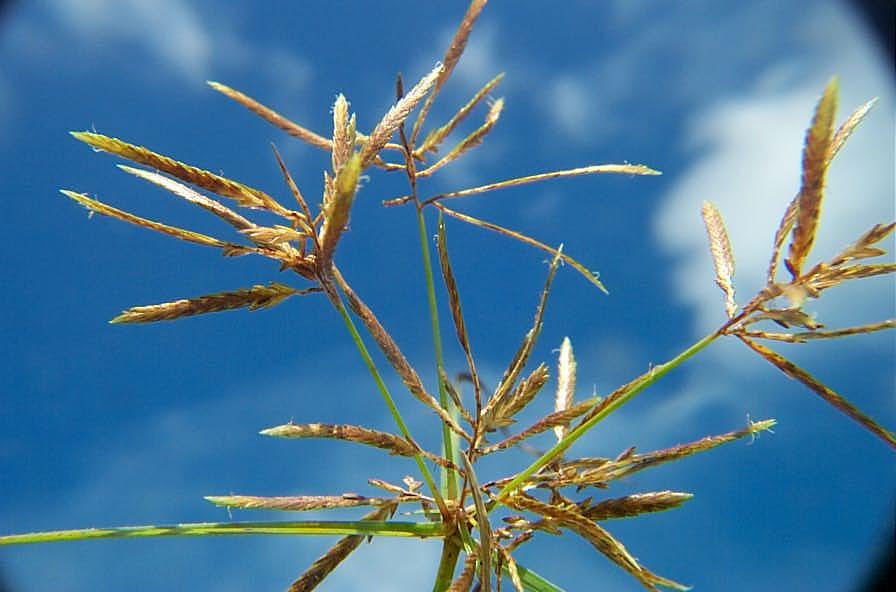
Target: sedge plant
559 491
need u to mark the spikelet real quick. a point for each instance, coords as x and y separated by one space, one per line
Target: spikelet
815 164
566 384
464 580
391 121
296 503
437 136
272 117
452 56
633 505
835 399
244 195
847 127
722 256
253 298
393 444
337 210
343 133
471 141
321 568
186 235
588 275
521 396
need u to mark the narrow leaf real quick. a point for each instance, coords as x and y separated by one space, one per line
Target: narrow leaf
485 530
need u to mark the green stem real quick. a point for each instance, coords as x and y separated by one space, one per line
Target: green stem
447 564
336 298
609 405
448 438
370 527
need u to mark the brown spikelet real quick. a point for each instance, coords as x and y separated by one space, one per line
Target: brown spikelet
244 195
815 163
566 384
471 141
274 118
512 569
253 298
625 169
180 190
391 121
464 580
811 335
522 354
588 275
599 538
437 136
544 424
633 505
298 503
784 228
275 234
325 565
308 218
452 56
722 256
457 316
521 396
394 355
186 235
393 444
835 399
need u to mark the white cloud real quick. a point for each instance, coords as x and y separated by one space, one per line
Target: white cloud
170 29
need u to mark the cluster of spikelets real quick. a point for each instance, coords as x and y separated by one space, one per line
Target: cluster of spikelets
306 243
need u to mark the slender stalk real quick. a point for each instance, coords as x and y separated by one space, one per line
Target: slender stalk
336 299
448 439
372 528
450 554
603 409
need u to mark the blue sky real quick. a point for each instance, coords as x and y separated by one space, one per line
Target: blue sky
105 425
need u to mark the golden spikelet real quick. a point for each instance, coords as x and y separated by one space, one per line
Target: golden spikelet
471 141
389 442
815 164
343 133
337 211
253 298
438 135
566 384
588 275
452 56
186 235
293 129
722 256
464 580
835 399
391 121
847 127
296 503
244 195
626 169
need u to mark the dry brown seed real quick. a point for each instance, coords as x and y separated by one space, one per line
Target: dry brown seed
632 505
463 581
722 256
253 298
815 164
